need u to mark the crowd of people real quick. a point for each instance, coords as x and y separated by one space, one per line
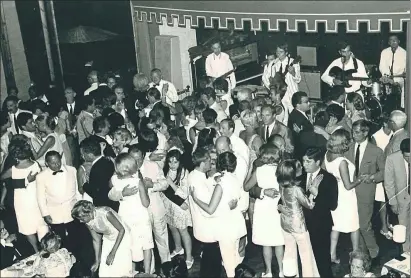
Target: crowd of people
101 175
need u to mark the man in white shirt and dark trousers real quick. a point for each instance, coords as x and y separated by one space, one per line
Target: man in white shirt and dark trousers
393 62
347 61
166 88
56 195
218 63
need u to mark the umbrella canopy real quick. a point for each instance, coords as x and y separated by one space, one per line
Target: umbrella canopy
85 34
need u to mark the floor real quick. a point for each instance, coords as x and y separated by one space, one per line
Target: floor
254 257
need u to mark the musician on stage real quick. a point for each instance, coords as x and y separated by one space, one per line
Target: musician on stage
393 63
347 61
218 63
291 74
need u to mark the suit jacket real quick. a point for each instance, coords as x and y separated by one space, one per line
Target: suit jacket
395 180
98 185
108 151
325 202
296 117
77 107
57 194
310 139
372 163
281 130
8 255
101 92
394 144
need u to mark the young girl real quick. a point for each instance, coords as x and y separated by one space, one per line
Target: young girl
230 223
267 226
292 218
178 215
129 189
121 140
345 216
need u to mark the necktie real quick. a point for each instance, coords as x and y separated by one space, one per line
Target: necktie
15 124
357 161
267 133
391 137
281 67
392 62
71 109
56 172
310 181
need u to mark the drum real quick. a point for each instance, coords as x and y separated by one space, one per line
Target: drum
373 108
376 90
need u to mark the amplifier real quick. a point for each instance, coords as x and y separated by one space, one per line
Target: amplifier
308 55
311 84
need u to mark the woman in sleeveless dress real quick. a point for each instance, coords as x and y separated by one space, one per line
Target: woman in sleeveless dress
267 230
52 142
29 219
111 239
250 136
345 216
227 188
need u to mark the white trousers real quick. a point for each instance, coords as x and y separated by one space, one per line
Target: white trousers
230 255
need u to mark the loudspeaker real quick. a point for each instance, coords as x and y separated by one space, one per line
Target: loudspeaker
168 59
308 55
311 84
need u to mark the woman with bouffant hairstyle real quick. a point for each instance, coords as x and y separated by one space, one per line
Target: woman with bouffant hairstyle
345 216
356 108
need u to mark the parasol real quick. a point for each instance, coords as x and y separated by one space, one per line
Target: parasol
85 34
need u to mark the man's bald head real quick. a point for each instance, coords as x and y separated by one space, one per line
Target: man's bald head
223 144
244 94
92 77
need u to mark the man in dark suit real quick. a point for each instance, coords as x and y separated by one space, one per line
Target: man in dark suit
102 170
314 138
154 98
369 162
319 220
101 128
271 126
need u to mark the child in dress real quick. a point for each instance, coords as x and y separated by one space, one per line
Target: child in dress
178 215
121 139
129 189
292 218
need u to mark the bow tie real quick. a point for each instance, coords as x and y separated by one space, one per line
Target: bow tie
59 171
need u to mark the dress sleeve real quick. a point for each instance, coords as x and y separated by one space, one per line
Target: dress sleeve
302 199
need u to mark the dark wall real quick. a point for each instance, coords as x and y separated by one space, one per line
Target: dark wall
366 46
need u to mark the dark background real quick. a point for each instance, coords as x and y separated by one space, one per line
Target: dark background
115 16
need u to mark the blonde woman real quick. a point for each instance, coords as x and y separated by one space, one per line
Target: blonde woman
345 216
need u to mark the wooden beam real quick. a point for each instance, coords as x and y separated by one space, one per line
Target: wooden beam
5 51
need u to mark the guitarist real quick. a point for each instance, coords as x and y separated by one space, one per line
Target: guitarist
218 63
347 61
393 63
291 74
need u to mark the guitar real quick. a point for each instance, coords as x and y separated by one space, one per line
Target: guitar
282 75
225 75
183 91
346 75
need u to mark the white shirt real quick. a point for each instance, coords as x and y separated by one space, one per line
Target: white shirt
339 104
238 127
400 61
57 194
203 228
218 65
290 80
240 147
363 145
241 172
171 95
71 106
313 176
221 115
93 87
270 129
355 84
305 115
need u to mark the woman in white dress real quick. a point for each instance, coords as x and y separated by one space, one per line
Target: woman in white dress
45 126
345 216
267 226
230 223
111 239
381 138
178 215
29 219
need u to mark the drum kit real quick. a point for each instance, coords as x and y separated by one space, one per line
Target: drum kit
383 96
